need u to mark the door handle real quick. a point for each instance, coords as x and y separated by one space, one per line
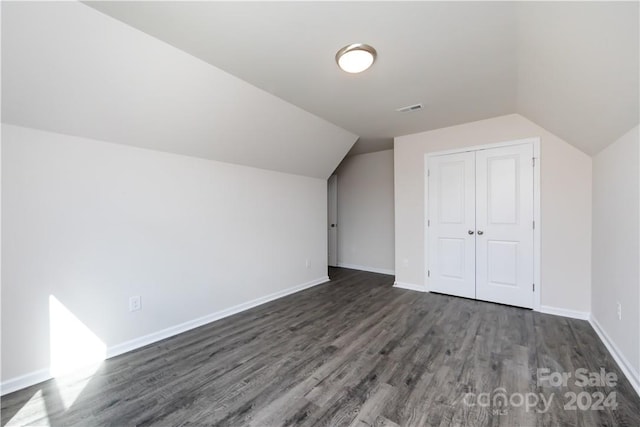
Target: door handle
333 225
470 231
480 232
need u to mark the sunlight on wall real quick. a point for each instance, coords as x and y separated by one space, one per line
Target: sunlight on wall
74 349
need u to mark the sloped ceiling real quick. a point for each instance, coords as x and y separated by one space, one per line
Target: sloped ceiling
578 69
70 69
271 95
458 59
571 67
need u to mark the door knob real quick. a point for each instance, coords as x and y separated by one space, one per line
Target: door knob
480 232
470 231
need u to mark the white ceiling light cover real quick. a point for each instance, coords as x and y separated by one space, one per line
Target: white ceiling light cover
356 58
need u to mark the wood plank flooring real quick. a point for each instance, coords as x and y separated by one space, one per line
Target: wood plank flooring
353 352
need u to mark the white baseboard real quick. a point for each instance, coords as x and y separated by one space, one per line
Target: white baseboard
574 314
409 286
41 375
23 381
627 368
124 347
365 268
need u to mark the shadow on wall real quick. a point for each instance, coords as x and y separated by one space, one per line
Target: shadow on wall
76 355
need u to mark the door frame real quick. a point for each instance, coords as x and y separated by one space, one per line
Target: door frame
332 219
535 141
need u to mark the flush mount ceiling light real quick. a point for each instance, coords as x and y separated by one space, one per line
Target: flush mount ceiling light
355 58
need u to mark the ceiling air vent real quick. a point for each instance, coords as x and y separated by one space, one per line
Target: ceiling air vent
414 107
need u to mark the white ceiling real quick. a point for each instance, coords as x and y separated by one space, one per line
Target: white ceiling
458 59
570 67
578 69
70 69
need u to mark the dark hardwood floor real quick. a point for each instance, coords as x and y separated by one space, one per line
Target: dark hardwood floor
356 352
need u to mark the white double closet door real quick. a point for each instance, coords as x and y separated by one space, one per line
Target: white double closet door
480 224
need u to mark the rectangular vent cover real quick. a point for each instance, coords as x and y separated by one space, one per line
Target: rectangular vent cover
414 107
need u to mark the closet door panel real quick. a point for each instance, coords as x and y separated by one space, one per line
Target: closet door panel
451 207
504 225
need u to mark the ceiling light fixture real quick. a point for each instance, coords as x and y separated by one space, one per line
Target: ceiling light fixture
355 58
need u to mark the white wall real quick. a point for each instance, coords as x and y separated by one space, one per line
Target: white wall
616 246
93 223
365 212
565 205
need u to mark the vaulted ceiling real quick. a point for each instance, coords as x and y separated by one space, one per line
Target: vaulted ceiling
256 83
69 69
571 67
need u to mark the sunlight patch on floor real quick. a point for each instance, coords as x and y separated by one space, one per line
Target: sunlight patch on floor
75 350
34 412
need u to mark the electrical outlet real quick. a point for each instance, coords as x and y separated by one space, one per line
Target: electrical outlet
619 310
135 303
307 263
405 263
